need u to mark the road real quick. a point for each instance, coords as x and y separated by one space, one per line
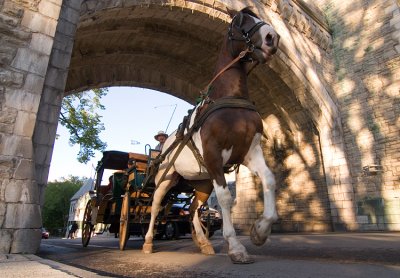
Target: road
293 255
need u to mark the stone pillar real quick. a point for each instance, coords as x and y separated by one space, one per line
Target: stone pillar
27 46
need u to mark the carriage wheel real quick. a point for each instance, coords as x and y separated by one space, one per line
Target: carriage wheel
87 226
124 221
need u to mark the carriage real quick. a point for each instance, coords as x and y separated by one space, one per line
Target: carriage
123 205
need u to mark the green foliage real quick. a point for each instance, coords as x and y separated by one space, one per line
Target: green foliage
79 116
57 202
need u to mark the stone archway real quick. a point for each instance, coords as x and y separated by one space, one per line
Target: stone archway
171 46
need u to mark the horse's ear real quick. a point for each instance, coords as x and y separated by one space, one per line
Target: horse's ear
250 11
247 10
237 17
232 12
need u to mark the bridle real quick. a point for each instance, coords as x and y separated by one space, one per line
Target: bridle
246 37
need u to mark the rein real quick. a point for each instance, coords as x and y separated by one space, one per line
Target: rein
240 56
246 37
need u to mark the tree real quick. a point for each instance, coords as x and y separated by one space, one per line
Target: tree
57 202
79 116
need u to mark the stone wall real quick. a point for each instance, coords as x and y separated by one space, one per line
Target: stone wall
27 31
366 59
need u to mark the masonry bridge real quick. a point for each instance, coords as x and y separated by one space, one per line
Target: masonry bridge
57 48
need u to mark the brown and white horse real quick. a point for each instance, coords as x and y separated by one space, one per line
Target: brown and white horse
228 134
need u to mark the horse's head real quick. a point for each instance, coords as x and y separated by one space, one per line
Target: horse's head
258 36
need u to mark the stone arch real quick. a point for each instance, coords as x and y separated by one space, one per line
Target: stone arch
77 60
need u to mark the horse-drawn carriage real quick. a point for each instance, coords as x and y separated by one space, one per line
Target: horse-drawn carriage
123 205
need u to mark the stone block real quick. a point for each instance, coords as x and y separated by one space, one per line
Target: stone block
31 61
22 216
22 100
63 42
70 15
39 23
49 113
23 191
45 134
43 154
52 96
2 211
60 59
8 116
33 83
10 78
6 166
24 124
56 78
25 169
26 241
13 189
5 241
74 4
7 53
66 28
49 9
18 146
42 175
41 43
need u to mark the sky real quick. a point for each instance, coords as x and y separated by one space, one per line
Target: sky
131 119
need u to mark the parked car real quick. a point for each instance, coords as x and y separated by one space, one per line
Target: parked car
45 233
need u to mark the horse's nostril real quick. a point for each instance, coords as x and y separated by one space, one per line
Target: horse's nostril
269 39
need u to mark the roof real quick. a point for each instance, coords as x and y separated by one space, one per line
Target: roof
114 160
86 187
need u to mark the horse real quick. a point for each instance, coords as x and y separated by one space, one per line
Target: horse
224 129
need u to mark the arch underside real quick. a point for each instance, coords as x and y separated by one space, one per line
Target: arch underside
175 52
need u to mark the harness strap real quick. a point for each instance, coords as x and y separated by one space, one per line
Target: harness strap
225 102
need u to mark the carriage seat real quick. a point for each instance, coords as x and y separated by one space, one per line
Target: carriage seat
119 182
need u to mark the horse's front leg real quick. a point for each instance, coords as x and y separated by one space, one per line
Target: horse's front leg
237 252
261 229
161 190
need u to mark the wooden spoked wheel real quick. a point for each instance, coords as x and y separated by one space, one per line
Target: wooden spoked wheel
87 226
124 221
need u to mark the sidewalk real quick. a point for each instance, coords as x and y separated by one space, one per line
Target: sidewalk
285 255
32 266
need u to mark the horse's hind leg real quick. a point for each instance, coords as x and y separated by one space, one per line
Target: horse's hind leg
158 196
254 160
203 191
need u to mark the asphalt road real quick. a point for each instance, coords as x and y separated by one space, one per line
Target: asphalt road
289 255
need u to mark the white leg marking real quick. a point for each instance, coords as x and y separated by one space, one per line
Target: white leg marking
254 160
236 250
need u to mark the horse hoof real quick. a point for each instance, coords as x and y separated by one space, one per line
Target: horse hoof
147 248
207 249
241 258
256 239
